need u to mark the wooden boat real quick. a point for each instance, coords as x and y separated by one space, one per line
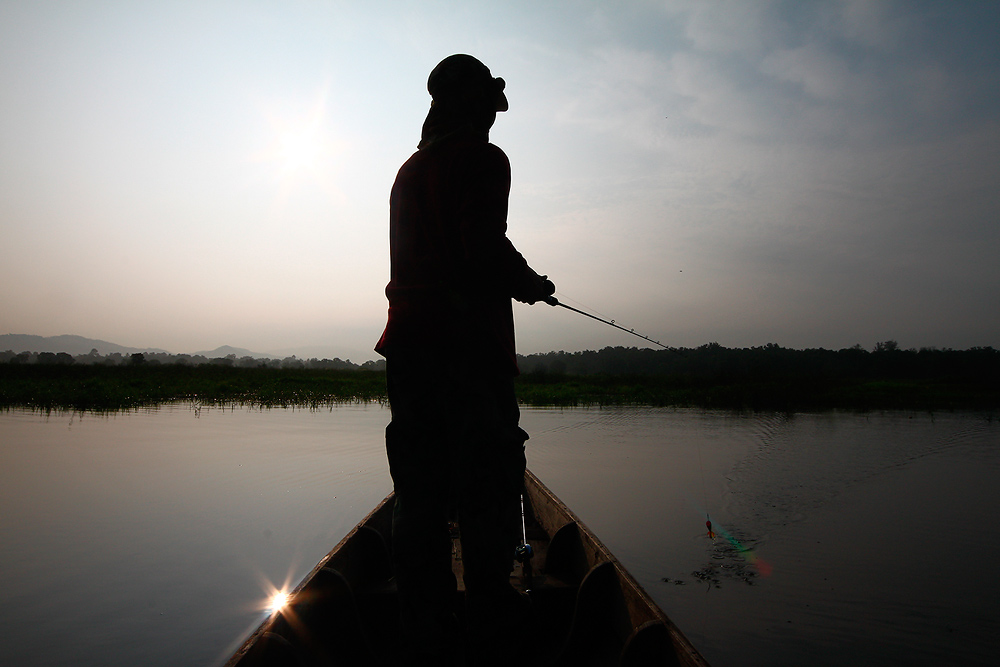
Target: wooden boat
586 608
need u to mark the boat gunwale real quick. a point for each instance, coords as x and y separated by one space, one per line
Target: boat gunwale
269 622
641 608
636 598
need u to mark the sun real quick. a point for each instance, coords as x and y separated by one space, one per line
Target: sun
298 142
298 146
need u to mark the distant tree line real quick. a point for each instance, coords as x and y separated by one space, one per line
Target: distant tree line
712 363
93 358
707 364
769 377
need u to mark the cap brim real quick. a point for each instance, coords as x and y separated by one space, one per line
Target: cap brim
501 98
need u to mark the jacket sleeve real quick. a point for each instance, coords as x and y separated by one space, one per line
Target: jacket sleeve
492 263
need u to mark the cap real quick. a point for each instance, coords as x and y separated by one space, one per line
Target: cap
460 72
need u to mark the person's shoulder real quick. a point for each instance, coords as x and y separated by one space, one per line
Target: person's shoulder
412 163
417 156
464 153
476 145
495 150
492 153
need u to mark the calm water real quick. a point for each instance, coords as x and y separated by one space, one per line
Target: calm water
153 538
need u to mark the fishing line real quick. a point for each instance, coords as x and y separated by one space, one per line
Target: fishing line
552 301
582 305
704 493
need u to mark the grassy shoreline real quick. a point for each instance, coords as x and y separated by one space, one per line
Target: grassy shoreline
110 388
104 389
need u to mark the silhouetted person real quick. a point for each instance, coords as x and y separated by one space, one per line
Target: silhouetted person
454 444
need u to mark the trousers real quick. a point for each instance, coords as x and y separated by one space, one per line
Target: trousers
455 451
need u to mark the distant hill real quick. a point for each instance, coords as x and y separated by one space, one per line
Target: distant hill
226 350
77 345
74 345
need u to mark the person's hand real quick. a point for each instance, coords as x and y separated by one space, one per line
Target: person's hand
548 288
534 288
542 288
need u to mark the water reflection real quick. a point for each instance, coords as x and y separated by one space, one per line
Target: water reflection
156 538
858 518
124 533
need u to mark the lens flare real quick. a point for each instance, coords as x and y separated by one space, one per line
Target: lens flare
763 567
277 602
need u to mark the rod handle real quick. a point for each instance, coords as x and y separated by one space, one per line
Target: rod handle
551 300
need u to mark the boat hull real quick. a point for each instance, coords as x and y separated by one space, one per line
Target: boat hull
586 609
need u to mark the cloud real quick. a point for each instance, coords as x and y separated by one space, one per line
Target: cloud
767 169
727 27
820 74
877 25
621 91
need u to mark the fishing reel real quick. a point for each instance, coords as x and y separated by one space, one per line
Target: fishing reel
523 553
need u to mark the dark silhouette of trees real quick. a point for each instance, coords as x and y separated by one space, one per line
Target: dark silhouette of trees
766 377
771 377
157 358
712 362
887 346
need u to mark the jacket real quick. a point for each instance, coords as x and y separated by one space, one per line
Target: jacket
453 269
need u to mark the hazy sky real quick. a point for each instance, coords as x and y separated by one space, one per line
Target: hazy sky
813 174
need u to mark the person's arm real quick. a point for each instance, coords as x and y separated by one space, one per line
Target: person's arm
491 259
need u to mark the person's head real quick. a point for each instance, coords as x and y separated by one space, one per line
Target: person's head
463 94
462 79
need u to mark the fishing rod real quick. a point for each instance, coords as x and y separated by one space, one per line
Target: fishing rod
524 552
552 301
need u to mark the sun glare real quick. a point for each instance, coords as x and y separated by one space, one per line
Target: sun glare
298 142
277 602
299 147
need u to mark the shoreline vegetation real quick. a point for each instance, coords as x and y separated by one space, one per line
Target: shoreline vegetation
768 378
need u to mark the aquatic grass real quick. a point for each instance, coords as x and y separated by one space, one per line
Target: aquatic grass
111 388
99 388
